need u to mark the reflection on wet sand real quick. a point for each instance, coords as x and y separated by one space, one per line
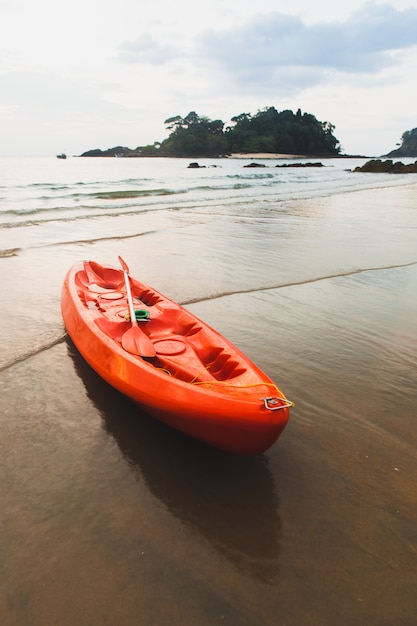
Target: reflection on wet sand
231 501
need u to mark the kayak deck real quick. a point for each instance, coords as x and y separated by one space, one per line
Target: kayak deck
197 381
185 348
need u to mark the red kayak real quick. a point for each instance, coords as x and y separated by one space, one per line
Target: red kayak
176 367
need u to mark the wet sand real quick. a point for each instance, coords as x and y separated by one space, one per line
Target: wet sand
109 517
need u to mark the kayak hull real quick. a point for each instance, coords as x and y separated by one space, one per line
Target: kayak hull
197 382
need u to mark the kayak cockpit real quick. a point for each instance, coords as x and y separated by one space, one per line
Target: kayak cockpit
185 348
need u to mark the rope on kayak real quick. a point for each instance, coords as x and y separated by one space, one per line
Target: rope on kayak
225 383
194 381
271 403
162 369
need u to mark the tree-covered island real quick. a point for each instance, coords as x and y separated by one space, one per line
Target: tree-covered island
268 131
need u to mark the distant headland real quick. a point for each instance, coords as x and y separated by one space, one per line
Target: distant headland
408 146
269 132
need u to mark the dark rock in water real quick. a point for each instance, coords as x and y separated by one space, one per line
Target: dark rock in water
195 165
400 168
255 165
388 166
301 165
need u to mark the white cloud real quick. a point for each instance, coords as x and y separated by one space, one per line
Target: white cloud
147 49
103 74
275 41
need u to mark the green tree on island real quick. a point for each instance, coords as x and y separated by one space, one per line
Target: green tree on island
267 131
194 136
284 132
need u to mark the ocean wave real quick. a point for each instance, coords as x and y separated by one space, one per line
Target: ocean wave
85 241
254 176
114 211
134 193
92 240
35 351
314 279
9 252
116 204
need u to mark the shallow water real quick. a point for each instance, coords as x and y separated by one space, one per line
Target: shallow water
109 517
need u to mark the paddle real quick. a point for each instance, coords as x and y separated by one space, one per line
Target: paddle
134 340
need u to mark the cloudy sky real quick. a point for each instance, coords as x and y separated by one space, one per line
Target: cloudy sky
99 73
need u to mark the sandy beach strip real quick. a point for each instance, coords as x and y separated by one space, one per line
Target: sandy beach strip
266 155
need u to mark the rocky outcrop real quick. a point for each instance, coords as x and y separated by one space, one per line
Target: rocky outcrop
287 165
388 166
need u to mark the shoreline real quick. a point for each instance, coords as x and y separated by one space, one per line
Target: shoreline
279 155
266 155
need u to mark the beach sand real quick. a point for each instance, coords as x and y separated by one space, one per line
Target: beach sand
110 518
267 155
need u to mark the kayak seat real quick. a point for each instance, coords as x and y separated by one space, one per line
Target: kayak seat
180 361
225 367
149 298
172 321
144 294
104 276
215 358
190 358
115 330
